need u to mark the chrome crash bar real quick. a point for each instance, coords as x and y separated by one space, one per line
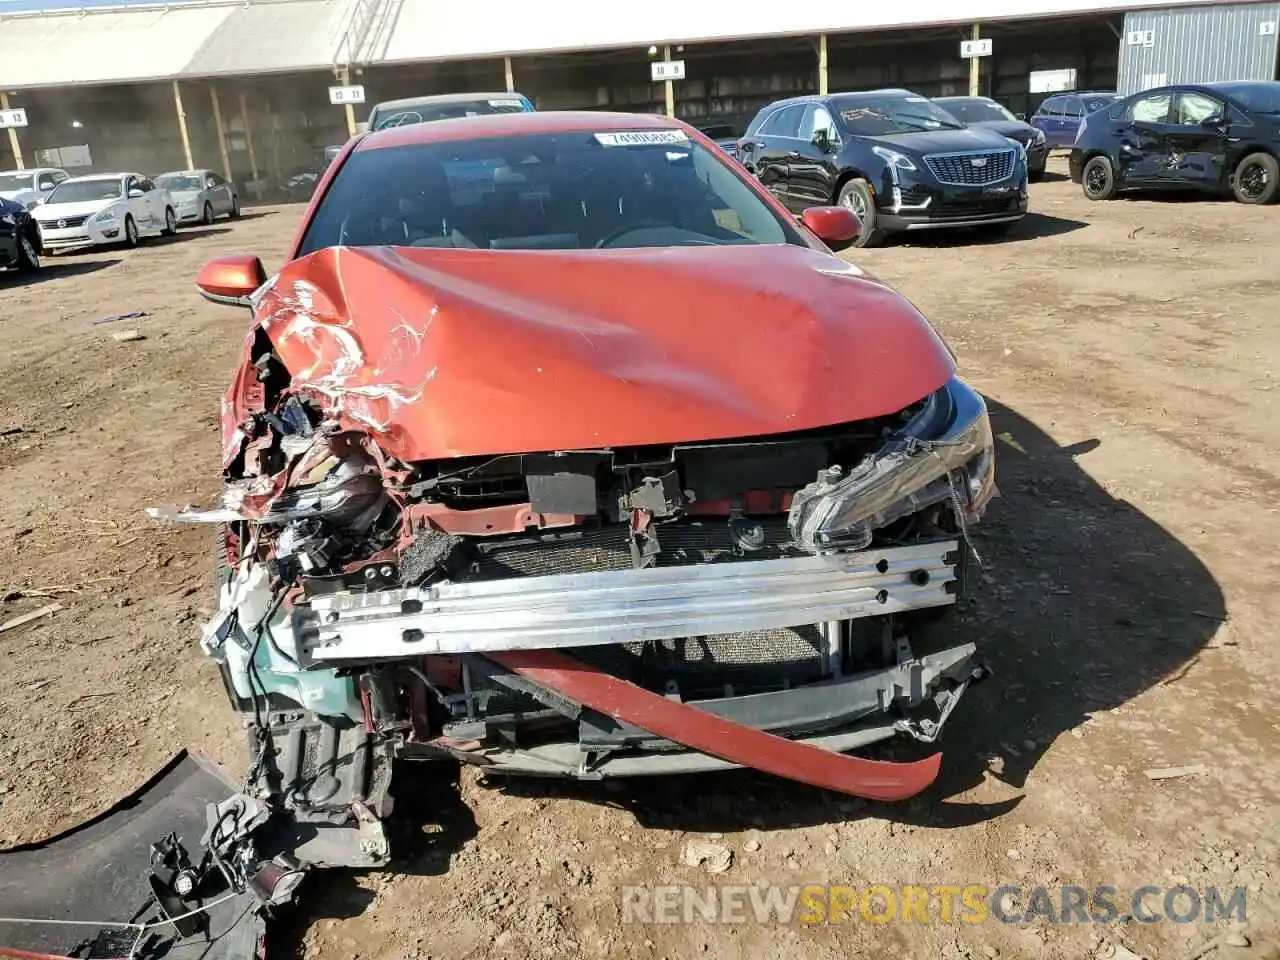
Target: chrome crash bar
623 606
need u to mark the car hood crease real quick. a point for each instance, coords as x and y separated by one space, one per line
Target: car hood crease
445 353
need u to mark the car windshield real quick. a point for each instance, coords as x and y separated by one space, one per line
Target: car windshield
178 182
1255 97
16 181
876 115
976 110
564 191
1095 102
80 191
406 114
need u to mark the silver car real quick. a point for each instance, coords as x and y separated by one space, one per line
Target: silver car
30 187
200 195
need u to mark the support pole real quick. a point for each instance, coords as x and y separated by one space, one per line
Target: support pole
511 76
822 65
350 110
14 143
975 68
222 136
275 142
248 142
182 125
670 85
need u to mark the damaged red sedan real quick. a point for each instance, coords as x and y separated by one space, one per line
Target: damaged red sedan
561 448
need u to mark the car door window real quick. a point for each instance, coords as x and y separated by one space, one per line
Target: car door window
1153 108
46 182
818 119
786 122
1193 109
1073 107
130 185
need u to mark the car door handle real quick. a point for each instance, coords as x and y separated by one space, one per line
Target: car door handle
793 155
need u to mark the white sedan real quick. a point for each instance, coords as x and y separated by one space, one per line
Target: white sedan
103 209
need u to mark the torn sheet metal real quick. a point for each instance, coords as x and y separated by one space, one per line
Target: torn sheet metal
444 353
716 736
99 872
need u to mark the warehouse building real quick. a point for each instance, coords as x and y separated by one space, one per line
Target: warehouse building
245 87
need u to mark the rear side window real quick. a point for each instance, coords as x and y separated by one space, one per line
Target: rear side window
427 111
1073 107
1195 108
1050 108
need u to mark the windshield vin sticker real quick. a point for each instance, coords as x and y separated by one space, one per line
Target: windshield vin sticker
506 103
641 138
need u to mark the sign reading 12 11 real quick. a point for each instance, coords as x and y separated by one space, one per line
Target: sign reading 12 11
13 118
342 95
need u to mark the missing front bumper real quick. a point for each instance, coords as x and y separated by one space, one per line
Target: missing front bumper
625 606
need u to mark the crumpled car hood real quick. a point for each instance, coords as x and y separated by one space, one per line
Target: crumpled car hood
447 353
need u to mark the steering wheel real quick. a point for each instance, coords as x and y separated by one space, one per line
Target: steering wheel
641 224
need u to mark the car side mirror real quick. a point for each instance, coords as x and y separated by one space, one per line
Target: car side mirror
821 141
837 227
40 200
1215 122
135 193
231 280
1021 116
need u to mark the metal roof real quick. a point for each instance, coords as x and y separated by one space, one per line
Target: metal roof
273 36
116 46
426 30
210 38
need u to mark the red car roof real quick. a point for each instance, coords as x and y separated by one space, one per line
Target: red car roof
516 124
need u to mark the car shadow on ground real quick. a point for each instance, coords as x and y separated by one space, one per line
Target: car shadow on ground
1033 226
1052 176
1081 603
254 214
430 826
185 233
51 270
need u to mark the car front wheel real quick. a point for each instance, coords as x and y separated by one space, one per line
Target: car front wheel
856 195
1257 179
170 222
130 232
207 217
1098 179
28 255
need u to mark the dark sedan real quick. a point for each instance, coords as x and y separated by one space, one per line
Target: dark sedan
19 238
896 159
1215 138
986 113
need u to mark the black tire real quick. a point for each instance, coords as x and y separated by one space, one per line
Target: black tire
235 208
857 196
130 231
28 254
1257 179
1098 179
207 216
170 223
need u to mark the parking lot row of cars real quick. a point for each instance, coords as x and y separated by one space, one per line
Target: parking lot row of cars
46 209
903 162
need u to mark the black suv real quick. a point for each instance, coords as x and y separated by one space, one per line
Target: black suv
895 158
1213 137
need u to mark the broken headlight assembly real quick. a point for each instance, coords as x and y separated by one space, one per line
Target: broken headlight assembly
943 453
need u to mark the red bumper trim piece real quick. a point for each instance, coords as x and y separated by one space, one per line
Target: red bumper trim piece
706 733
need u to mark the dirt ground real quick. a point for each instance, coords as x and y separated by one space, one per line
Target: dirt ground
1126 602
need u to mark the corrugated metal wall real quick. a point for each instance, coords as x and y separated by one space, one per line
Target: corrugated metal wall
1198 45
